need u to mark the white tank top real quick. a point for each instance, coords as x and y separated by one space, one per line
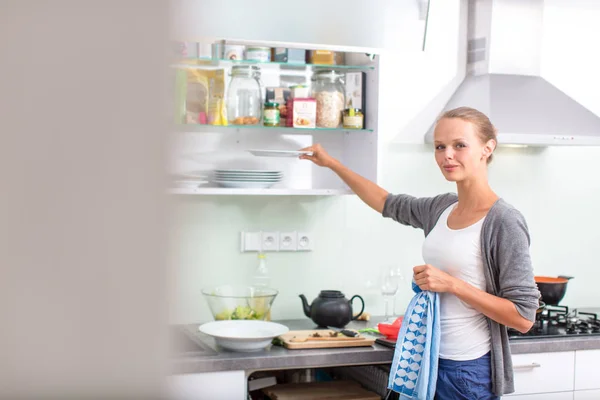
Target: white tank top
465 333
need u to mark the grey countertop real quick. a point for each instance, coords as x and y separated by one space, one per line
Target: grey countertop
197 353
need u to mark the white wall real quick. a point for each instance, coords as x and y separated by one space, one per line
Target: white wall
556 189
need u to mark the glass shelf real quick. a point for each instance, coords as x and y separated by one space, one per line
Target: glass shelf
211 62
282 129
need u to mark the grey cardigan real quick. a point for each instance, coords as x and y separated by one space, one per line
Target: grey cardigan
507 264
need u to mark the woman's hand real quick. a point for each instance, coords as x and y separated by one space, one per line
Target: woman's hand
319 156
430 278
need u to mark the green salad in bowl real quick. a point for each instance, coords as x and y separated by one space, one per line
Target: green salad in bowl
230 302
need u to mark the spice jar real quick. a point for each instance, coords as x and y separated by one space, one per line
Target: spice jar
353 118
328 90
271 114
244 96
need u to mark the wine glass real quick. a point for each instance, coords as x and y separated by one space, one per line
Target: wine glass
389 287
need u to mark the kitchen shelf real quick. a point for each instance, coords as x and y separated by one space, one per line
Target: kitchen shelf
270 192
281 129
202 63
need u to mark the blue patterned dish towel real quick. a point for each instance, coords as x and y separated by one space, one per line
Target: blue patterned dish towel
415 365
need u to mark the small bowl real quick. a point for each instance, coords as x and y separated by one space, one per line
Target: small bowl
230 302
244 336
392 330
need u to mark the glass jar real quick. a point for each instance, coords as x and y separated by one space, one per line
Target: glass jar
328 90
244 96
271 113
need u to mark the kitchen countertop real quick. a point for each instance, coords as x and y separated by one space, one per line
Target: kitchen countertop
197 353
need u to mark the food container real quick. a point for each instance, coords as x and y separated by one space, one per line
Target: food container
260 54
271 114
282 54
300 91
353 118
279 95
355 83
328 90
240 302
304 113
244 96
325 57
233 52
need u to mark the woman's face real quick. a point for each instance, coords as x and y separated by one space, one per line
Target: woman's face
459 152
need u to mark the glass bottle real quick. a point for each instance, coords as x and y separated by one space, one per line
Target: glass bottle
244 96
328 90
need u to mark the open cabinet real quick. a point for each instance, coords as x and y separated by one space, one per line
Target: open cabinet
204 144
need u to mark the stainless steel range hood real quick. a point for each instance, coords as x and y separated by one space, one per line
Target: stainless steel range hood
503 79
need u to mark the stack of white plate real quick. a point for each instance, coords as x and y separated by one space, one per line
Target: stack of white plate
246 178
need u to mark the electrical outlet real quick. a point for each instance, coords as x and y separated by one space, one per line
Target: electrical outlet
305 241
270 241
287 241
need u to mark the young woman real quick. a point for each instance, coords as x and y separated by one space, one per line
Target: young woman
476 254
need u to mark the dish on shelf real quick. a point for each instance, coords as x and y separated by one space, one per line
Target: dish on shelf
279 153
246 184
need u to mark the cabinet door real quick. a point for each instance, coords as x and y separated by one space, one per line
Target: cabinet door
544 372
544 396
225 385
587 395
360 23
587 374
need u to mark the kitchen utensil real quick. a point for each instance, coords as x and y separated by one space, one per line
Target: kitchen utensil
552 289
286 340
245 185
243 336
331 308
392 330
325 339
239 302
278 153
345 332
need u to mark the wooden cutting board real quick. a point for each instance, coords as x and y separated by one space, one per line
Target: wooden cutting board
304 340
337 390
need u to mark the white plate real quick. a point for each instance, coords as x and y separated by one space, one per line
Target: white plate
250 175
247 171
245 185
278 153
243 335
225 179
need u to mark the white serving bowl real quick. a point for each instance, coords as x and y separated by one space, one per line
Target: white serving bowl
243 335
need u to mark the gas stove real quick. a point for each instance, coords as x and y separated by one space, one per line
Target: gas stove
559 321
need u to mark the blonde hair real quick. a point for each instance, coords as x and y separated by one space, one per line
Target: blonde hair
485 129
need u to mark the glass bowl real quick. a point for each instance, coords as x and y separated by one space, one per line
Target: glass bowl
240 302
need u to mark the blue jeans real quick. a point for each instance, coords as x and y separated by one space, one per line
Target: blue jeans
465 380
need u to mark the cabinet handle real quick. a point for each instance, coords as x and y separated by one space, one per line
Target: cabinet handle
526 366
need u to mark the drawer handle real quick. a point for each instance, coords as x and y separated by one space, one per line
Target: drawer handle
527 366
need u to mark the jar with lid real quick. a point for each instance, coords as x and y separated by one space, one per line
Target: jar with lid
271 114
244 96
328 90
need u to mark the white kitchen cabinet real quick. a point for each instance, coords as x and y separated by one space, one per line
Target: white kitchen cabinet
587 395
355 23
207 147
544 373
587 373
544 396
225 385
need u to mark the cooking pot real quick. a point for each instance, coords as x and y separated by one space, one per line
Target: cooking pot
552 289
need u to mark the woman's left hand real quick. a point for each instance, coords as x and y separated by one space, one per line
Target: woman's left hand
427 277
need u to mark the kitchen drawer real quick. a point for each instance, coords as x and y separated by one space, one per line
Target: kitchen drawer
587 374
546 396
544 372
587 395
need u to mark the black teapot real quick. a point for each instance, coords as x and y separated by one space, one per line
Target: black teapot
331 308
